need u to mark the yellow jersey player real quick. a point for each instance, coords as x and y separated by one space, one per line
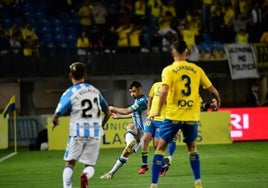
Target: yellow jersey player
151 130
180 94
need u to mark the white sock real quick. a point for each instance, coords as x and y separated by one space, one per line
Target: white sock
117 165
67 177
89 171
170 158
129 137
198 181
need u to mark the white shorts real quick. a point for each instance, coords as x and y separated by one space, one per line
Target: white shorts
82 149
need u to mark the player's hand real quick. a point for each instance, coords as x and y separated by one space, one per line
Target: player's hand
112 109
114 115
55 122
153 115
214 104
113 112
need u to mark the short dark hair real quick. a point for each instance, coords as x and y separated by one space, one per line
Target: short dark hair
78 70
180 46
135 84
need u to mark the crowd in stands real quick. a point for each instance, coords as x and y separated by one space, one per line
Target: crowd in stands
50 27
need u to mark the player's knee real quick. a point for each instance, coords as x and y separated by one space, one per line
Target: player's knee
70 163
132 129
191 147
147 138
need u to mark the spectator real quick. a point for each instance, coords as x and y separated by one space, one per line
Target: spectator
240 23
110 40
96 39
206 14
216 15
256 20
188 35
242 36
99 14
14 30
167 41
27 31
134 37
229 14
15 44
256 15
165 23
83 46
127 7
169 7
85 13
154 10
139 11
146 37
252 98
243 8
113 10
30 47
195 25
122 32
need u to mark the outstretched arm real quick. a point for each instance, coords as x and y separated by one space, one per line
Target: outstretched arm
123 111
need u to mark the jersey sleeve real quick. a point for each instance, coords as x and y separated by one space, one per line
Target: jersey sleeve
205 82
103 103
151 92
139 104
165 76
64 103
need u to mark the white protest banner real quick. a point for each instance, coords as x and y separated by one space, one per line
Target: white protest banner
242 61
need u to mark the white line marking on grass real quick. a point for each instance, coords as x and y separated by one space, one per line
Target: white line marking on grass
179 183
8 156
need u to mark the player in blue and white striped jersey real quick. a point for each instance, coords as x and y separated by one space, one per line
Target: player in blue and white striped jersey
85 103
135 130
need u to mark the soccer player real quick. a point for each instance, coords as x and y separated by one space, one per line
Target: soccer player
151 130
85 103
180 93
135 130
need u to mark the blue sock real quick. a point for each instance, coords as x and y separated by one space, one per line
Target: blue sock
195 164
156 167
144 157
164 162
171 148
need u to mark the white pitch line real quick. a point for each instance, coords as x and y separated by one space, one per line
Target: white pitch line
8 156
180 183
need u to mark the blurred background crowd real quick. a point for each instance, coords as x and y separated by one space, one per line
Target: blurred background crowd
49 27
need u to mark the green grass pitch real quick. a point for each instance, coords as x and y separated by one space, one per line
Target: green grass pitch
237 165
